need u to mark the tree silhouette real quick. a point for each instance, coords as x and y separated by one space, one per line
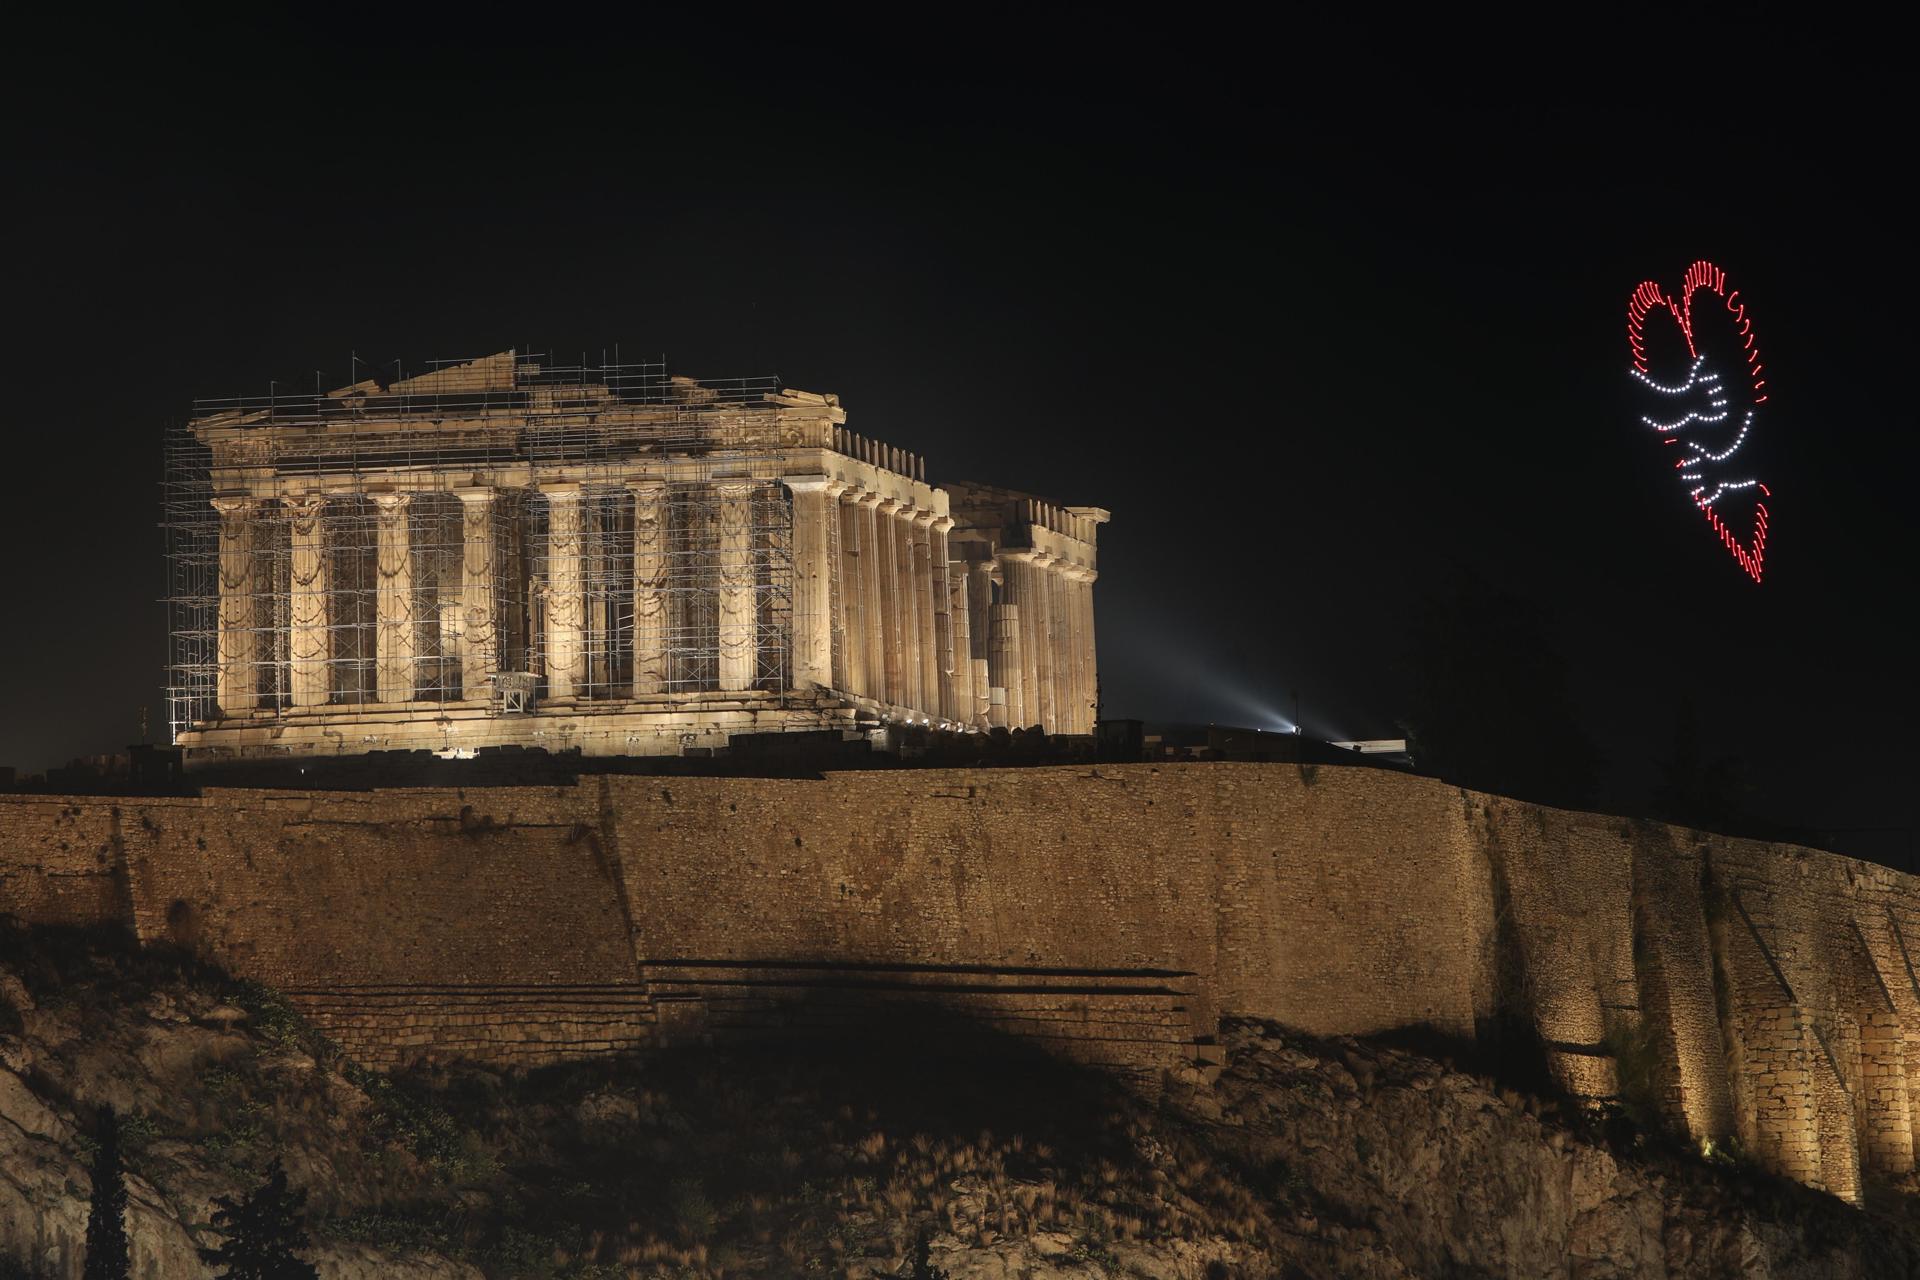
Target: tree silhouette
107 1257
264 1235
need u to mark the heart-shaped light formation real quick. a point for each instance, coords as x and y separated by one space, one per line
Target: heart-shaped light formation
1702 384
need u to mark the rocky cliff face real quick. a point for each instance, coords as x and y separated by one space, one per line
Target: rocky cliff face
1393 1164
1303 1158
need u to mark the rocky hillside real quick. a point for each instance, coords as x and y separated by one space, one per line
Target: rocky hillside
1304 1159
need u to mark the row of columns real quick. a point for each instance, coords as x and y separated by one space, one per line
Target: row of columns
1040 648
309 612
880 607
738 638
913 627
396 636
894 611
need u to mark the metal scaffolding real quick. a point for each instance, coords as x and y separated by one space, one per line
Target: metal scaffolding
353 521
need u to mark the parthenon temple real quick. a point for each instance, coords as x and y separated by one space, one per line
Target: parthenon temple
509 552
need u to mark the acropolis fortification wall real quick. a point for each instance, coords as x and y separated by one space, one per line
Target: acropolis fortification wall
1114 912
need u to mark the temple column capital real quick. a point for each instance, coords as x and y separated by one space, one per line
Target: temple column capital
237 504
809 484
943 524
559 488
389 500
475 493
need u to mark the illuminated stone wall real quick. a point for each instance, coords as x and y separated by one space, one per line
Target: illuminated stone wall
1113 912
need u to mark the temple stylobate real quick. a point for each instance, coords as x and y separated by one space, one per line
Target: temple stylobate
506 552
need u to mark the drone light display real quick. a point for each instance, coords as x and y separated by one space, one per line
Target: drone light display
1707 404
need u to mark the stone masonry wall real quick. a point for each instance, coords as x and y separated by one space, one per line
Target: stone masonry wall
1114 912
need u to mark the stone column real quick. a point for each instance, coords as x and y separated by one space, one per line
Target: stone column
1088 653
593 599
840 586
1044 700
959 640
980 576
812 580
395 638
1079 719
949 652
1037 619
979 600
887 574
649 587
1046 635
479 628
853 590
235 686
566 603
739 625
308 604
906 600
1018 583
1060 585
1005 670
927 612
873 554
1065 691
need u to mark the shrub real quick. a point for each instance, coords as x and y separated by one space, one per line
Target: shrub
274 1020
694 1216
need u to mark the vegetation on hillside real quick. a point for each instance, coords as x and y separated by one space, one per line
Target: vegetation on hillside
842 1158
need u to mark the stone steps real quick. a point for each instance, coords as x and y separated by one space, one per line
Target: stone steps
392 1025
1133 1021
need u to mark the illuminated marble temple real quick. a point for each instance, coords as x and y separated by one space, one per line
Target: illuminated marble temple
603 558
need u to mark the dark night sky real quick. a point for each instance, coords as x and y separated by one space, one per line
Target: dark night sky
1318 334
